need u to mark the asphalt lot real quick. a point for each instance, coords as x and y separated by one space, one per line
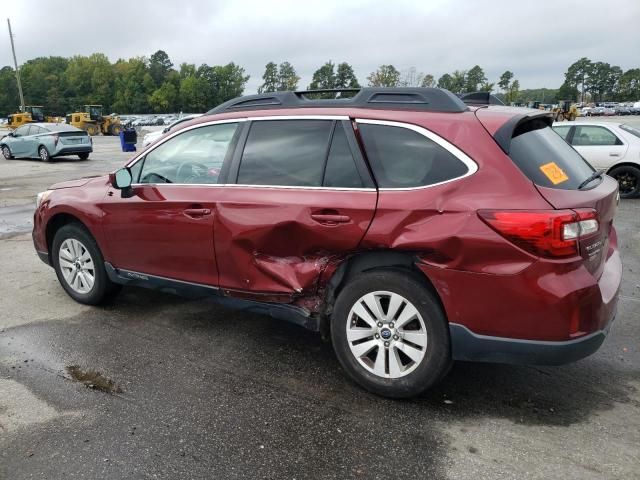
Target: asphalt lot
203 392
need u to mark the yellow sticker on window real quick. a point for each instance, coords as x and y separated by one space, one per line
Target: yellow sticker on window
554 173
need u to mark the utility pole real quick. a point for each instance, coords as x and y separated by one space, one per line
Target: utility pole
15 61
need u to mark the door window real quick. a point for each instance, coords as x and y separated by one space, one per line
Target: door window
285 153
592 135
404 158
22 131
193 157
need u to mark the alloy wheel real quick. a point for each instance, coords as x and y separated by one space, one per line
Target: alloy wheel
77 266
627 181
44 155
386 334
6 152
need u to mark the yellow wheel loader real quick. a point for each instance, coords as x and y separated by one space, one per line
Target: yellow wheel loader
32 113
93 122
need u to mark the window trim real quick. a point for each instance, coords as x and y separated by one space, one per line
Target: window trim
472 166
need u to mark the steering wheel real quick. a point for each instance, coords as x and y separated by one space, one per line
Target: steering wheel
189 171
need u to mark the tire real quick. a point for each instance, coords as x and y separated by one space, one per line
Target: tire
83 156
43 153
91 129
115 129
79 266
628 178
394 374
6 153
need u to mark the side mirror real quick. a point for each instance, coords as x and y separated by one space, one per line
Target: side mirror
121 180
11 134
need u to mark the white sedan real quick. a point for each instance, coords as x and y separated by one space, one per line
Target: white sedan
610 147
151 137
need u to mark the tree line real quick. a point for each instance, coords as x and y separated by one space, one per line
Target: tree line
155 85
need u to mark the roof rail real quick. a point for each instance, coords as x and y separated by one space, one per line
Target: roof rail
397 98
480 98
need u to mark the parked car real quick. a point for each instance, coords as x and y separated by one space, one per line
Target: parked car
622 110
608 111
610 147
46 141
410 228
596 112
151 137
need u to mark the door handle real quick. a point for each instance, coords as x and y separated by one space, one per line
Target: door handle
197 212
330 219
612 154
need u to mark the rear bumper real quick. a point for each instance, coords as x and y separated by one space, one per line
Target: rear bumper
468 346
73 150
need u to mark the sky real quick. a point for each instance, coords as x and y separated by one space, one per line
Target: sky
537 40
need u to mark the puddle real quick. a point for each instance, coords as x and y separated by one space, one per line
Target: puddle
93 379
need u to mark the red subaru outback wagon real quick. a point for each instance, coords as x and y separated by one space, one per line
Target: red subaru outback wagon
410 228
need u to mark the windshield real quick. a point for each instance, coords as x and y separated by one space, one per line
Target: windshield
632 130
546 159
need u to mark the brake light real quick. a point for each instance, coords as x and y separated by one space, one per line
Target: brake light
55 140
547 233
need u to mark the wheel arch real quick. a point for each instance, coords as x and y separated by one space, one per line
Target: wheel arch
401 261
623 164
59 220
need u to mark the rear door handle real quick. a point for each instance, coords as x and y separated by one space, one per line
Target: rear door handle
197 212
612 154
330 219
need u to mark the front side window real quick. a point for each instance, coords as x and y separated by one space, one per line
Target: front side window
404 158
195 156
593 135
285 153
22 131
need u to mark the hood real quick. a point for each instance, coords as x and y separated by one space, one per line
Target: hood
76 183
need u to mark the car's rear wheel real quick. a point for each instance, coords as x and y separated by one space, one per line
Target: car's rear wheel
79 265
628 178
6 153
390 334
83 156
43 153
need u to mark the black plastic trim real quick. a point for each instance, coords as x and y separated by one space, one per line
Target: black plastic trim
480 98
44 256
281 311
405 98
469 346
504 134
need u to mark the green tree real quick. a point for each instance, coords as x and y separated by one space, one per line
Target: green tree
384 76
487 86
475 77
270 78
505 80
159 66
164 99
9 100
324 77
458 81
446 82
578 75
567 92
629 85
345 77
428 81
287 78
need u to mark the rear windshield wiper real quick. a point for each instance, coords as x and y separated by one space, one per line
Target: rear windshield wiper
592 177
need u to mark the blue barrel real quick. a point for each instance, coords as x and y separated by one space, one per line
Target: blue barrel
128 139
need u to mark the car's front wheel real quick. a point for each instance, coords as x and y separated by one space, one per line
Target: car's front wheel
628 178
79 265
43 153
6 153
83 156
390 334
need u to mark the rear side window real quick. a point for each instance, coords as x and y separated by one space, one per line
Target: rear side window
285 153
546 159
562 131
404 158
632 130
593 135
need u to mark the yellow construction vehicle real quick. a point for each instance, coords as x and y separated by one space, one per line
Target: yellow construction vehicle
93 122
32 113
565 111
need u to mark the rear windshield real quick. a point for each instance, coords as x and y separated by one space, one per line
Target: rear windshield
631 130
546 159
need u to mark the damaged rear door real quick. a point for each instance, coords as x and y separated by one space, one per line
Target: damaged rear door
302 196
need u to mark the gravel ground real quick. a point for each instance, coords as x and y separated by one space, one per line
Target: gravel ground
188 389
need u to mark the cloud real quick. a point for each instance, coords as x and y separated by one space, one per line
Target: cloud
535 40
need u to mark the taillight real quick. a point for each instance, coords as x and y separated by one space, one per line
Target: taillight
55 140
547 233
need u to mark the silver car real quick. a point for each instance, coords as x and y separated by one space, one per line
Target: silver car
45 141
